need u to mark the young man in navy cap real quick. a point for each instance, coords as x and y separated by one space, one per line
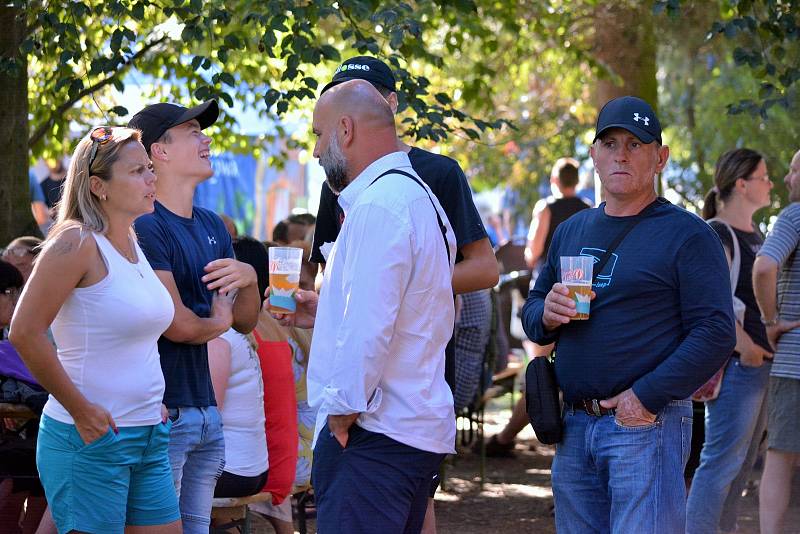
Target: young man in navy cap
660 325
191 253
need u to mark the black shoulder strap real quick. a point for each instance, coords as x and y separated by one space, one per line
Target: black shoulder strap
617 240
442 226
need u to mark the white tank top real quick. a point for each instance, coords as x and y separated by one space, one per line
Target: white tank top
107 336
243 411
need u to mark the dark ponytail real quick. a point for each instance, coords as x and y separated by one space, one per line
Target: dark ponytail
710 204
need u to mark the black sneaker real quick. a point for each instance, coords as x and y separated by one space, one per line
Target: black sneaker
495 449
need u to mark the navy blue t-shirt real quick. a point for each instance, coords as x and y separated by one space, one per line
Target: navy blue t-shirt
662 321
446 180
184 247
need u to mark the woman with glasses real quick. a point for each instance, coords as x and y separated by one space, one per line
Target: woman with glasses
21 253
102 450
735 419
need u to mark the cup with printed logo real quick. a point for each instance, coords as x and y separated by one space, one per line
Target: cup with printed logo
284 278
576 274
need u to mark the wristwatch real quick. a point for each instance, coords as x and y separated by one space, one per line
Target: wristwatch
770 322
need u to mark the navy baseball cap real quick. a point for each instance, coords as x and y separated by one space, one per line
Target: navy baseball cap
156 119
632 114
366 68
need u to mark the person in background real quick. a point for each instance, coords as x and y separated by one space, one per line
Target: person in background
102 447
735 420
778 302
41 214
230 225
21 253
280 234
239 390
53 185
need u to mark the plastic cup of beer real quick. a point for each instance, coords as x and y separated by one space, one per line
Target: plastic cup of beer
576 274
284 278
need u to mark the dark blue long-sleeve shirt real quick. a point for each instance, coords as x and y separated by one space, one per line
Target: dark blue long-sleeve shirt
662 322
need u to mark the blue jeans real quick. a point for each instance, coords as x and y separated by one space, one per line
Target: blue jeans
197 456
734 424
610 478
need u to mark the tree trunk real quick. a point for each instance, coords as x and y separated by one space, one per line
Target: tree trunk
625 44
15 203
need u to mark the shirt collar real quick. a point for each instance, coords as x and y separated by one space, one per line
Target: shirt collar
350 194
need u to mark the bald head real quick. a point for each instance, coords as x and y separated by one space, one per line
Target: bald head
361 101
354 126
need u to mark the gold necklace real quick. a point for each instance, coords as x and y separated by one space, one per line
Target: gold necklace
131 260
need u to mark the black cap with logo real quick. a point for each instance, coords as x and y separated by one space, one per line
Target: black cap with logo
632 114
156 119
366 68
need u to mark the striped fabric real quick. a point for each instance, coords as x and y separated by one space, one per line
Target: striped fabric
782 245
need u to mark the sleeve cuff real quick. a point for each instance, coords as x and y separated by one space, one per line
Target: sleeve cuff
337 403
652 400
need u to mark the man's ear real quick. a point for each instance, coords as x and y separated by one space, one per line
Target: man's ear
392 100
347 129
158 152
98 187
663 157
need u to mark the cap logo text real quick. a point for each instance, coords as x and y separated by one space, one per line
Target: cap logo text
646 120
352 66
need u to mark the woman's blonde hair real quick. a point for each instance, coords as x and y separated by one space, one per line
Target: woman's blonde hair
79 206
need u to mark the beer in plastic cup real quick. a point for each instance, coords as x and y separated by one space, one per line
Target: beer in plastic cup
576 274
284 278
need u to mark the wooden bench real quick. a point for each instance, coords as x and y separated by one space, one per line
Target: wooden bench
233 512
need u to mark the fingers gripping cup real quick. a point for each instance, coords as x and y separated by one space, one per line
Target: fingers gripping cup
284 278
576 274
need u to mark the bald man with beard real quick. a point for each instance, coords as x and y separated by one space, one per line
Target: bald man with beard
384 316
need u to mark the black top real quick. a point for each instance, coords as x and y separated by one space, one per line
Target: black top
446 180
52 191
561 209
749 245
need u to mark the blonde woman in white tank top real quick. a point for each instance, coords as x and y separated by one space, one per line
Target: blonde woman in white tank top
102 449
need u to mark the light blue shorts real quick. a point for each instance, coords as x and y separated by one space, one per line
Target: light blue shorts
117 480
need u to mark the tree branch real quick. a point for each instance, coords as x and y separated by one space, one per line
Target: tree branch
45 127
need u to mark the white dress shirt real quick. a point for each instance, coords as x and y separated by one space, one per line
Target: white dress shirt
385 313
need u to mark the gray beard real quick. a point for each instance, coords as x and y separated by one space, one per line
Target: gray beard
335 165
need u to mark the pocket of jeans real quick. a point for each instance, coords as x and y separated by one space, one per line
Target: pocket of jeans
174 415
686 439
638 428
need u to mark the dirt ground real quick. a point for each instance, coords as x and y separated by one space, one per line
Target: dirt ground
517 496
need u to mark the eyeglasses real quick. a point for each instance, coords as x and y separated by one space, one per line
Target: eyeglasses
99 136
16 251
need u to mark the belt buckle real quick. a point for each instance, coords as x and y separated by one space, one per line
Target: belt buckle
596 408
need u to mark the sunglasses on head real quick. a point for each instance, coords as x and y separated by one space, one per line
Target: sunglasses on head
99 136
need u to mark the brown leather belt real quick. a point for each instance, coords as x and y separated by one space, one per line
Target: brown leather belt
592 407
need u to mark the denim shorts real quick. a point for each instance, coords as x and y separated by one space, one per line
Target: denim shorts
117 480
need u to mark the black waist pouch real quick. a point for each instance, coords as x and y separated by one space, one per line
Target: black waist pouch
542 402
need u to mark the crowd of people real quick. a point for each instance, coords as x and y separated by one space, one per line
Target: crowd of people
170 381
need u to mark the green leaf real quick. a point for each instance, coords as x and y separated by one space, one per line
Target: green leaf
119 110
271 97
197 61
227 98
282 107
116 40
137 11
227 79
